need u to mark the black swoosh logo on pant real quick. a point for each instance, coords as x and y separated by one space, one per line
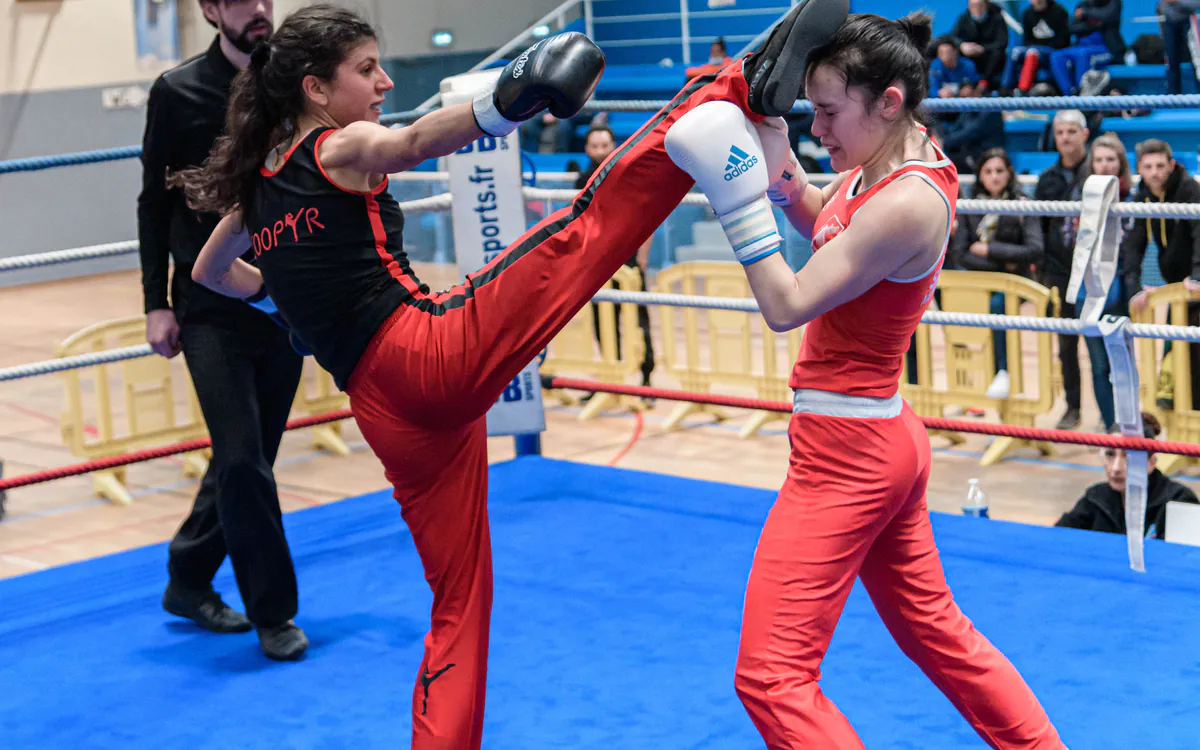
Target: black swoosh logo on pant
426 681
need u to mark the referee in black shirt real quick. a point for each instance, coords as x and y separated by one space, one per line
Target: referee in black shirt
242 366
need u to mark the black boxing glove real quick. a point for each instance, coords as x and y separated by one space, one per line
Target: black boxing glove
559 73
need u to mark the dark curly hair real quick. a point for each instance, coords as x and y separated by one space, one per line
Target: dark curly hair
266 99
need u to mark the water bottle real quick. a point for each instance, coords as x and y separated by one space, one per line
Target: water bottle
976 504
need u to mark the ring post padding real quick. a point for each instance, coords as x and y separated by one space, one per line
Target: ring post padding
488 216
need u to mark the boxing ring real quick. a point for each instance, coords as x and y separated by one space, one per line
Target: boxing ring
618 593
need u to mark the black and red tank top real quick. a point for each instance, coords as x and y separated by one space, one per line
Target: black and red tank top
331 258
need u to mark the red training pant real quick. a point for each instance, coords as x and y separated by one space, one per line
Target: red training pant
423 387
1029 70
853 505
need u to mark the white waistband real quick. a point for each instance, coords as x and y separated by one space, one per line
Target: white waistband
829 404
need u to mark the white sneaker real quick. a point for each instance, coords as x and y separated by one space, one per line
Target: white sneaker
999 387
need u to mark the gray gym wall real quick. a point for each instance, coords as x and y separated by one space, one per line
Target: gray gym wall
67 207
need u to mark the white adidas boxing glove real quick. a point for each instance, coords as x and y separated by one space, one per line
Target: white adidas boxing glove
720 149
788 178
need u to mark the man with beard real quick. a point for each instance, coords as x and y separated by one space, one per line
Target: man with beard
242 365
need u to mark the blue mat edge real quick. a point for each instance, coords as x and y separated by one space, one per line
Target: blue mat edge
114 580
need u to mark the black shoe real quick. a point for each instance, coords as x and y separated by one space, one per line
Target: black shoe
204 608
1069 421
775 71
284 642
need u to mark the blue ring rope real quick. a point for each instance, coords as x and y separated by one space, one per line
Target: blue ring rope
996 103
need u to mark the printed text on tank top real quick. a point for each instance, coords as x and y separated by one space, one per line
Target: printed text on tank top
332 258
304 221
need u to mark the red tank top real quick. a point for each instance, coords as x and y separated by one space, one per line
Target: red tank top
858 347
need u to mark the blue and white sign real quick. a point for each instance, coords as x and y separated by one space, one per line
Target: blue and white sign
489 215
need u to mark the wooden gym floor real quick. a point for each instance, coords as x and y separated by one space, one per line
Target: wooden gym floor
63 521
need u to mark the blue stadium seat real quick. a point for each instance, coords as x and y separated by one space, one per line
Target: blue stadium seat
1180 128
625 124
1149 79
648 81
553 162
1032 162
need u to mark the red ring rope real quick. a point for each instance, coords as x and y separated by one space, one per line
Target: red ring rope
637 433
933 423
148 454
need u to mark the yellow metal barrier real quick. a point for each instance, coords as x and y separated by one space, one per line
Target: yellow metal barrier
776 372
574 350
1182 421
969 357
740 351
319 394
702 349
147 392
144 391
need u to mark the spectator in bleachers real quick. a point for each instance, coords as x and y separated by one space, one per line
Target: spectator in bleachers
950 70
1175 15
982 37
718 57
1046 26
968 134
1175 242
999 243
546 134
599 144
1102 507
1096 28
1106 157
1057 184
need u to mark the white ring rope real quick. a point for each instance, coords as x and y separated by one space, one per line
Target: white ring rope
974 320
36 260
74 363
741 304
439 202
443 202
970 206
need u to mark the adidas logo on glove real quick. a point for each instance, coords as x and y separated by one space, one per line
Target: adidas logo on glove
739 162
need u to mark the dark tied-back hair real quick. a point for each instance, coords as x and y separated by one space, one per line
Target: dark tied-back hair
265 100
873 53
1012 190
1151 429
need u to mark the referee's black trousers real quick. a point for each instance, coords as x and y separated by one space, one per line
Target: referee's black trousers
245 380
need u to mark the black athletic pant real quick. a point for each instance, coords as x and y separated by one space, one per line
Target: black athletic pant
643 323
245 382
1068 345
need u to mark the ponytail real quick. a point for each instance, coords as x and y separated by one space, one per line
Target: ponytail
873 53
253 127
265 101
918 27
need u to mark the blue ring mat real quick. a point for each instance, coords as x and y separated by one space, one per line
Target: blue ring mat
615 626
